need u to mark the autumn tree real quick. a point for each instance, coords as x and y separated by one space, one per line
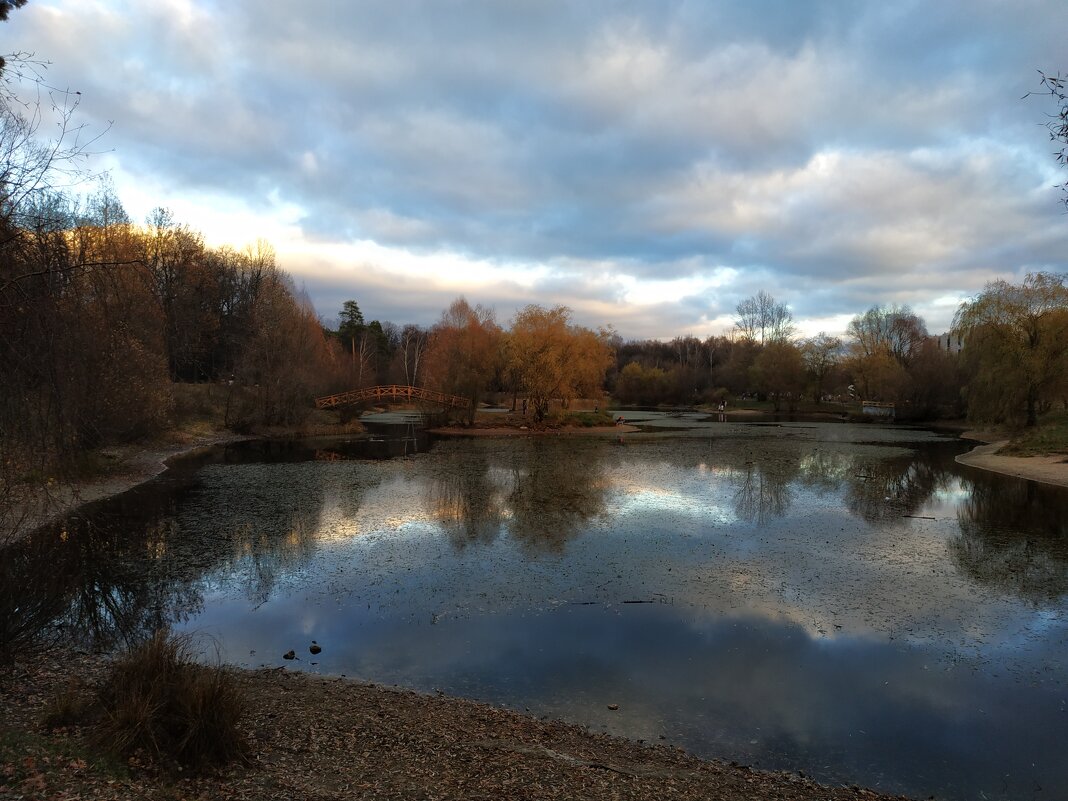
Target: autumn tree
555 359
461 352
641 385
288 359
1016 341
779 373
894 331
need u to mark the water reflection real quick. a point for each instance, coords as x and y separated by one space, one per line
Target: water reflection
785 590
556 491
541 491
467 496
763 492
251 522
1014 537
99 583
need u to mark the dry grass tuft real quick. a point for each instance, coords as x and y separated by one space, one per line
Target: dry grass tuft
70 705
157 698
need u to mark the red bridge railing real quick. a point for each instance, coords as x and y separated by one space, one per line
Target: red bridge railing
392 392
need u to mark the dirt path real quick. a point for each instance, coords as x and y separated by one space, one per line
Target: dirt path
1046 469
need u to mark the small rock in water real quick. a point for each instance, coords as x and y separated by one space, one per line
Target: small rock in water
315 649
613 707
289 655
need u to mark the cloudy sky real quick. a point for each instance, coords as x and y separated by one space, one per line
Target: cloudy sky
648 164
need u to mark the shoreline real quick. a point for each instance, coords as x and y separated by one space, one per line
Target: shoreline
510 431
135 466
1051 470
139 465
334 738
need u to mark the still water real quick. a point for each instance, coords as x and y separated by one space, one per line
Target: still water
841 600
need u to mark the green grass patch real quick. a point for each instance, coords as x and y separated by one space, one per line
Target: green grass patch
30 759
581 419
1049 437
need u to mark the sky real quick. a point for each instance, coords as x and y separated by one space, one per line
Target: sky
647 164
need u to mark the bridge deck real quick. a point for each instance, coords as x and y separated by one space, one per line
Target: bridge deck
392 392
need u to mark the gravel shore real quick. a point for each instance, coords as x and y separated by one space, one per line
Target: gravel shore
328 738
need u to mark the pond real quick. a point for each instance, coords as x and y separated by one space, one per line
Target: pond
842 600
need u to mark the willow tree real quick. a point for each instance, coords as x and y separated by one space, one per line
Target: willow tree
554 359
1016 342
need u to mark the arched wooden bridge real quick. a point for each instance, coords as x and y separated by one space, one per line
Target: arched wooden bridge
391 392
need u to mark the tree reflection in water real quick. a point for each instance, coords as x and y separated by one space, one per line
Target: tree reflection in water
763 491
94 583
543 490
253 522
556 490
465 498
124 568
1014 537
880 491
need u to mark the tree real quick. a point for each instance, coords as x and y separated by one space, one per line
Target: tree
894 331
820 355
413 341
779 373
462 351
554 359
350 323
1017 345
7 6
885 341
1055 86
642 385
288 359
762 319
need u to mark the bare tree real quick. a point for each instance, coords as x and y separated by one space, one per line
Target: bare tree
412 345
894 331
762 319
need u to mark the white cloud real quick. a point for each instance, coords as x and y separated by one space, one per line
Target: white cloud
649 167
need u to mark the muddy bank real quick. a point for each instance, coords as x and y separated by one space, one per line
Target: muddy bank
332 738
126 466
1046 469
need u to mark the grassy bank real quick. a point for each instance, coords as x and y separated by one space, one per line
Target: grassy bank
1049 437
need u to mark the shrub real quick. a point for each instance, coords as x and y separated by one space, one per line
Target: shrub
157 698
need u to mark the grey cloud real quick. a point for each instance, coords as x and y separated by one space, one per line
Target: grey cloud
668 139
